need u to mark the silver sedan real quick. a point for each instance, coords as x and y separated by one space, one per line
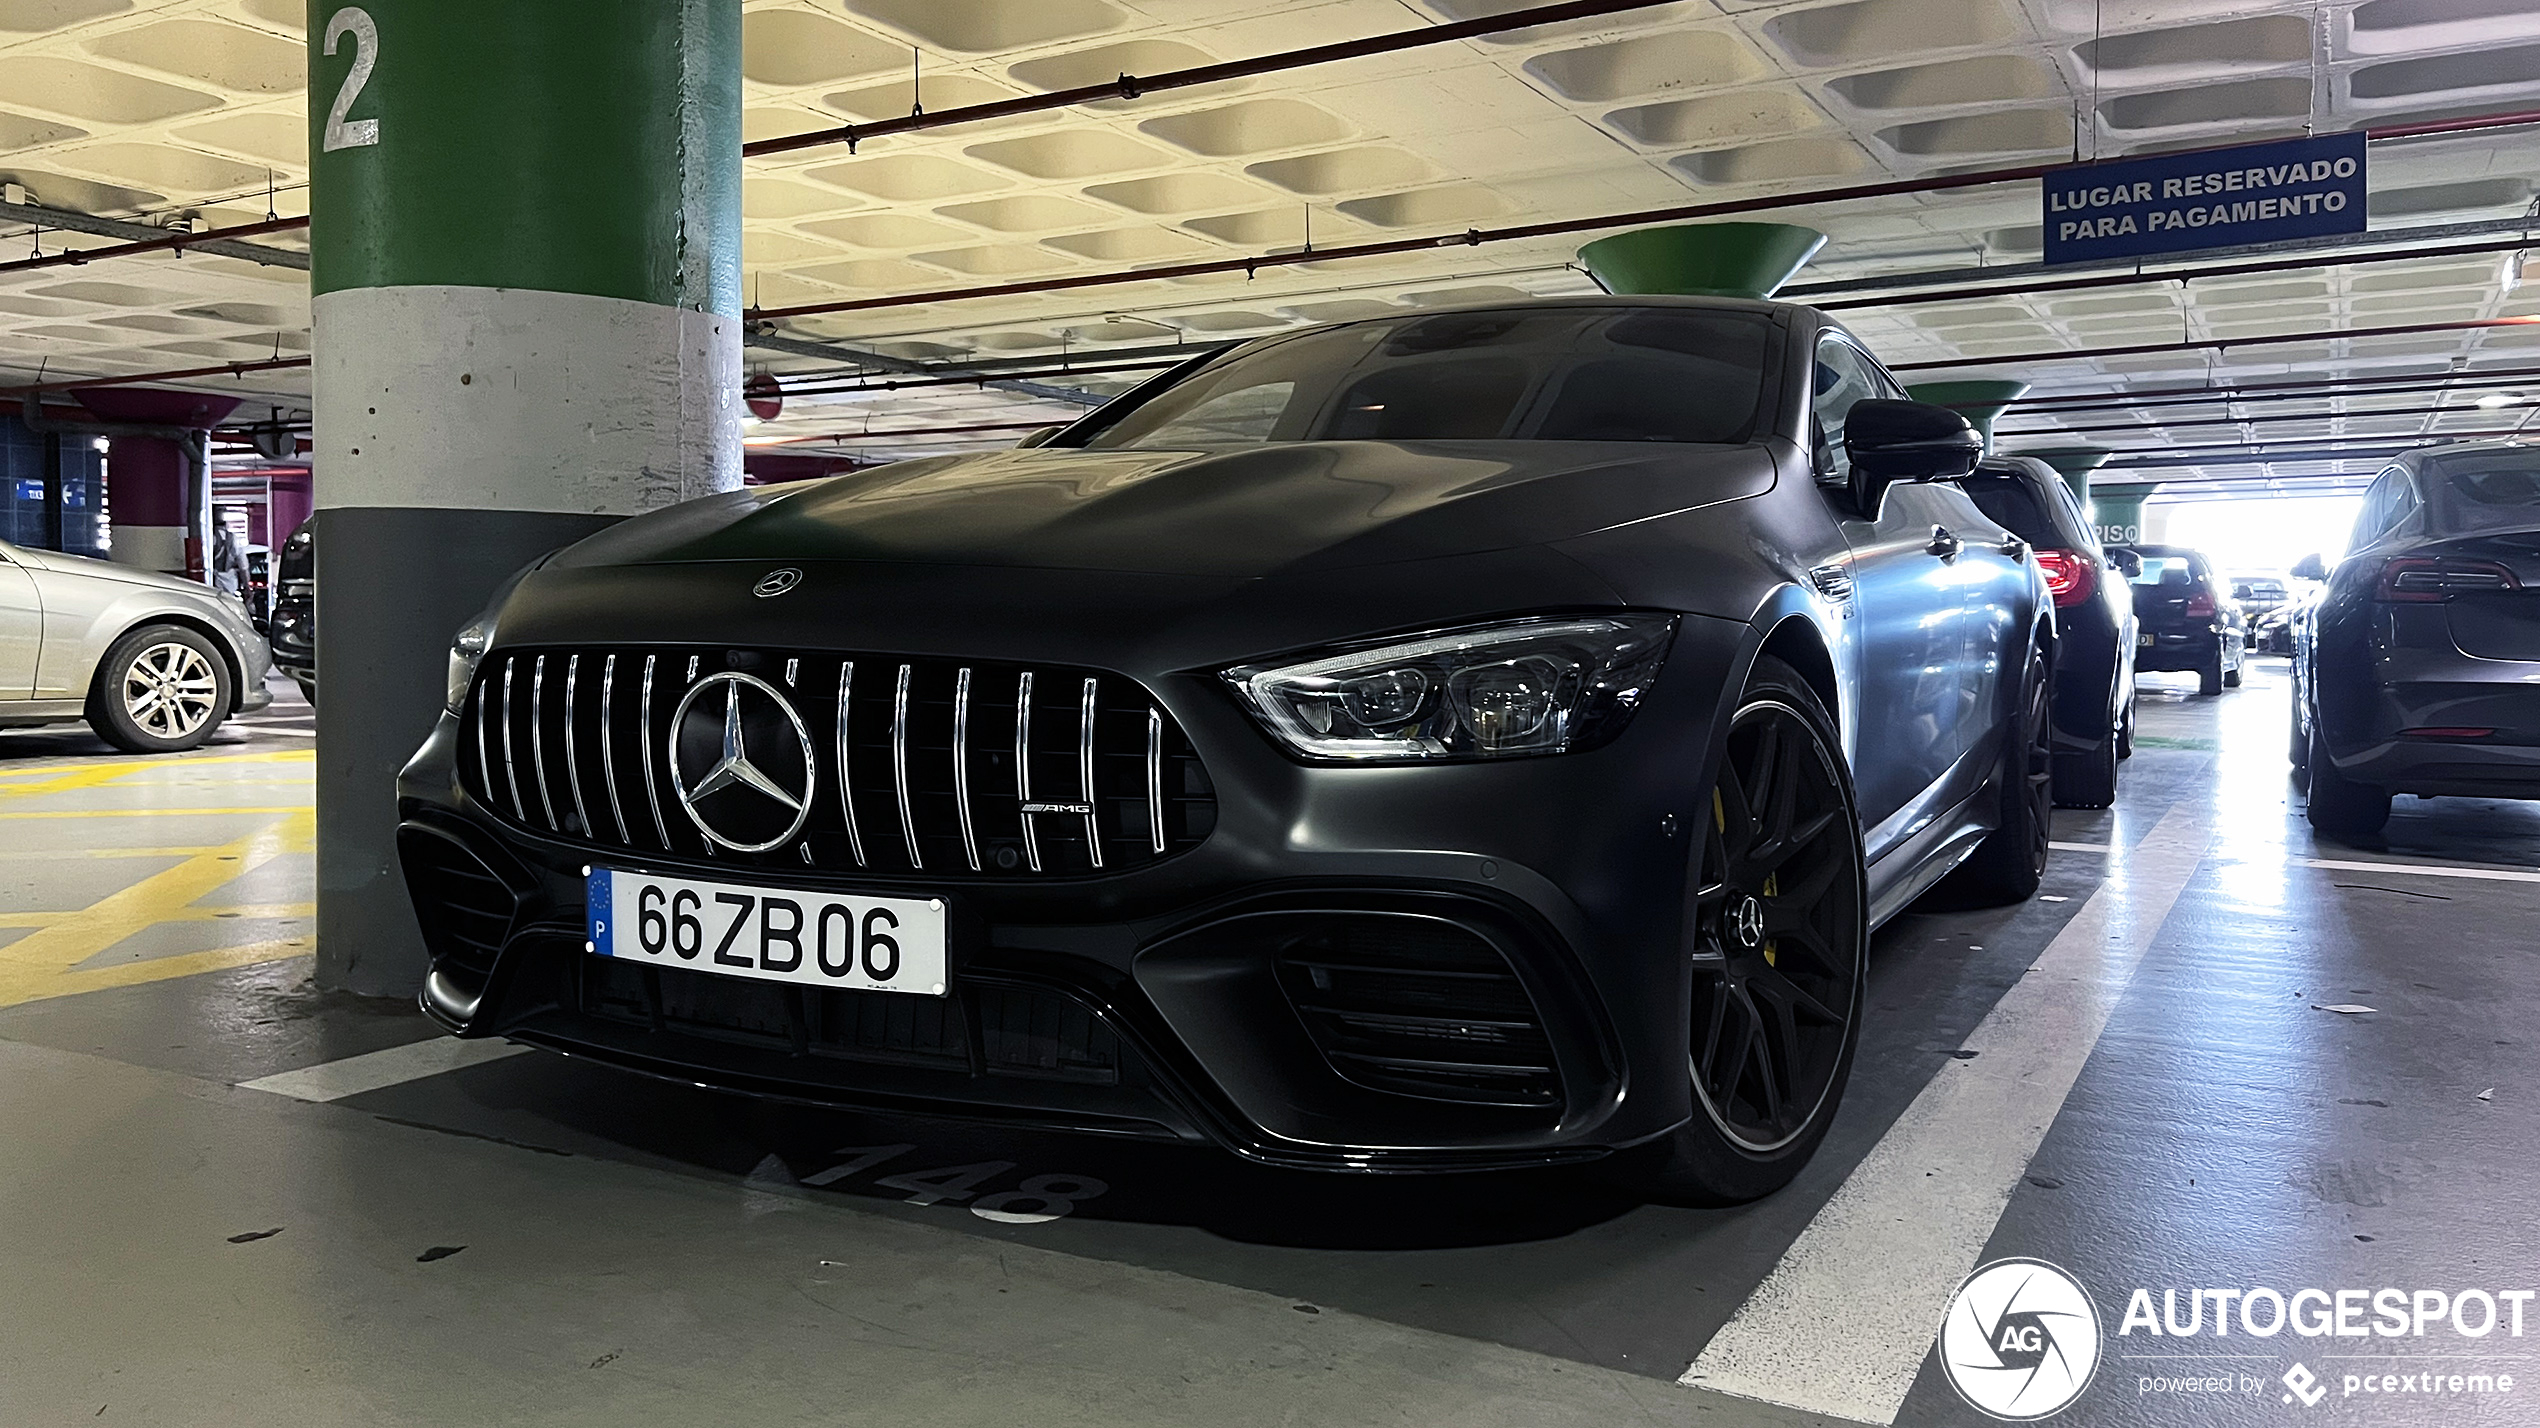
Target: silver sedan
152 662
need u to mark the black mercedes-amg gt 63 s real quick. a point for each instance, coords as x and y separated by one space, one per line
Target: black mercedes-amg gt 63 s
1473 739
2418 669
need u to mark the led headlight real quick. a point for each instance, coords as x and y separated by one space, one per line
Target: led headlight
468 646
1538 686
467 649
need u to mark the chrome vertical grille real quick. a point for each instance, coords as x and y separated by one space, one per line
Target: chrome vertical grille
984 769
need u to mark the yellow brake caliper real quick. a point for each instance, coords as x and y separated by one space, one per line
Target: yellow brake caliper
1772 881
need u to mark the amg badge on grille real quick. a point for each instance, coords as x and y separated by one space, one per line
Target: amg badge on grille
1081 810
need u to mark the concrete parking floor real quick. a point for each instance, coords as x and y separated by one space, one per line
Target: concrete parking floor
235 1200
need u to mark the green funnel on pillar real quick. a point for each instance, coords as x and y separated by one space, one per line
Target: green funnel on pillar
1981 403
1745 260
2074 464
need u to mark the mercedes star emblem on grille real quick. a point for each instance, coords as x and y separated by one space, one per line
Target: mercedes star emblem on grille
777 582
743 798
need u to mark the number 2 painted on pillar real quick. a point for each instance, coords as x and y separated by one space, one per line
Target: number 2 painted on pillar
340 132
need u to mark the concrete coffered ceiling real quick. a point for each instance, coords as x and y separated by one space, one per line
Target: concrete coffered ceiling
150 111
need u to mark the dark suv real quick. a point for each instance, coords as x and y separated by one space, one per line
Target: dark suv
2188 622
2094 671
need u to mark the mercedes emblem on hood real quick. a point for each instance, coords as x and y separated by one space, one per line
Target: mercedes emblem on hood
777 582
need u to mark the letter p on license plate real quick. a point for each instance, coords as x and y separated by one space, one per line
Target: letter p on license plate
806 939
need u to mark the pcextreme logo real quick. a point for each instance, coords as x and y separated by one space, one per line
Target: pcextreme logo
2020 1341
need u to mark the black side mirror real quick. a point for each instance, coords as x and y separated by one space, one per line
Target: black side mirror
2310 567
1038 437
2128 563
1891 441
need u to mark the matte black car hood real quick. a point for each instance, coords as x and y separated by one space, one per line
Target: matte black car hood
1261 511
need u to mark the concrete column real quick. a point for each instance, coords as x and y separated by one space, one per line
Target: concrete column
2074 464
526 281
1982 403
2118 512
158 489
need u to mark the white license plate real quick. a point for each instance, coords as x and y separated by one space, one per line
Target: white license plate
807 939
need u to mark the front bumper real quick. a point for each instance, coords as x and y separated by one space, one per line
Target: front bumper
1165 1001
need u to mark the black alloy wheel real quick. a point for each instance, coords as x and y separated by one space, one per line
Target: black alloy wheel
1777 948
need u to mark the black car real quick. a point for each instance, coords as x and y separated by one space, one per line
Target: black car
293 629
1482 738
2418 669
2187 621
2094 611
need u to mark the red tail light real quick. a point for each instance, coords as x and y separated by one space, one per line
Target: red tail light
2071 577
2417 578
2200 605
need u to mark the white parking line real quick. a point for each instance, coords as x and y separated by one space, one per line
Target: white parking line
1841 1324
2423 870
2080 847
334 1080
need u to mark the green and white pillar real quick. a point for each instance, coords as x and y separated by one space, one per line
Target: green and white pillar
525 269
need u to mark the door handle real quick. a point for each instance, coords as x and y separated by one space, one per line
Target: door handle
1943 544
2014 547
1832 581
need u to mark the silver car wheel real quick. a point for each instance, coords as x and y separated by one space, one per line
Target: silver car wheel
170 690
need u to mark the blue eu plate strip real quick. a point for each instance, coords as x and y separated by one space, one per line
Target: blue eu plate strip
597 905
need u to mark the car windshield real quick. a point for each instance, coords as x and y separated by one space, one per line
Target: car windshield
2489 490
2173 570
1543 374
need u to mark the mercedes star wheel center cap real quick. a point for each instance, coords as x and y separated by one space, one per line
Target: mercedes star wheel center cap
735 799
1747 921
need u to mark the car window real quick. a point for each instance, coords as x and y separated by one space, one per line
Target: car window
2487 490
1548 374
2010 503
2379 509
1844 375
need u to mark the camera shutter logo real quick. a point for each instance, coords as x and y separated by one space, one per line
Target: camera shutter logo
749 801
2020 1341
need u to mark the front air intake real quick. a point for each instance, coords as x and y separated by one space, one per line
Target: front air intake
1418 1006
467 910
867 763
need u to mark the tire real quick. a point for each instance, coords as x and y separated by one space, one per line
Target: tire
1778 945
2209 676
2087 779
160 688
2011 861
2231 676
2340 807
2298 748
2125 729
308 688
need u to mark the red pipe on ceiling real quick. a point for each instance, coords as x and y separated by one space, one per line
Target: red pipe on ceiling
2337 334
2176 275
75 257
